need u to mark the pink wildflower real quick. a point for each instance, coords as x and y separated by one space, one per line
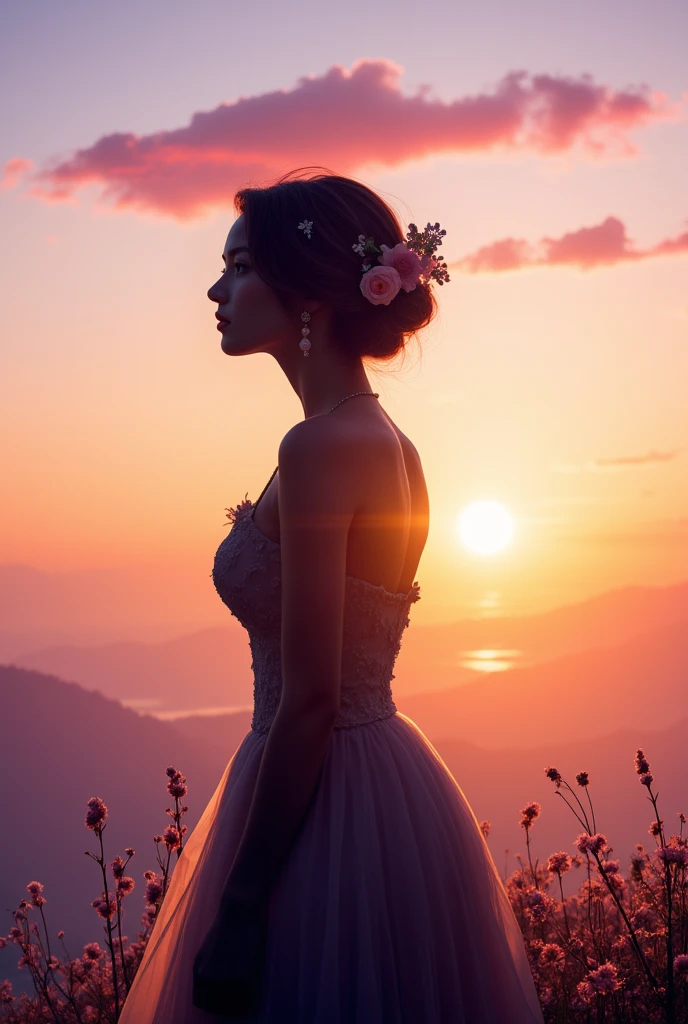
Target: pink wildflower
611 867
604 979
35 888
153 890
96 814
582 779
171 837
593 844
125 885
92 951
538 904
673 855
117 866
681 964
554 775
552 955
31 957
642 765
646 779
6 992
177 784
105 909
559 863
616 882
530 813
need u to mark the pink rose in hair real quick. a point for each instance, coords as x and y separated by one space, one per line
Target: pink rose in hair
380 285
406 263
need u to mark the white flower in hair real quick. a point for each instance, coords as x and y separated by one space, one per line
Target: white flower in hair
306 226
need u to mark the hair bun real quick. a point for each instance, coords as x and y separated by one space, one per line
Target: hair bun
321 264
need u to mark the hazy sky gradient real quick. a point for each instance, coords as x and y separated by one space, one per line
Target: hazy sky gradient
557 388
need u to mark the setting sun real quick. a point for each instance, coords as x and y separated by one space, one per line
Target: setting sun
486 527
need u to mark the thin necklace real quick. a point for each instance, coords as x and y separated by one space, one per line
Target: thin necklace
373 393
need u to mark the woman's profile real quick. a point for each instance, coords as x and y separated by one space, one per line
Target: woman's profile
338 874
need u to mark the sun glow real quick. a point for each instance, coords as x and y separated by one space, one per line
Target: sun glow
486 527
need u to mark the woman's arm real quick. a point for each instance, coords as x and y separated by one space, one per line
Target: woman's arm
290 767
316 502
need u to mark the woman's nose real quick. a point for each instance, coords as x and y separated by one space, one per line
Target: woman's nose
215 293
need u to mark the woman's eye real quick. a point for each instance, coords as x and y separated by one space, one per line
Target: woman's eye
237 264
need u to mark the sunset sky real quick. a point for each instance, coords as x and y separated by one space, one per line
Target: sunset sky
550 140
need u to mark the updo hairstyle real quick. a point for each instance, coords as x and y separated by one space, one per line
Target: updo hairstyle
325 266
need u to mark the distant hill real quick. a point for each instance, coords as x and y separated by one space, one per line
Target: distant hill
60 746
99 605
497 783
642 685
639 684
212 667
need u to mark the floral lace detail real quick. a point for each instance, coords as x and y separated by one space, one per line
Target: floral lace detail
247 576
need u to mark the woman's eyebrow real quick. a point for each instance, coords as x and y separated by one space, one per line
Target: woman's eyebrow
235 250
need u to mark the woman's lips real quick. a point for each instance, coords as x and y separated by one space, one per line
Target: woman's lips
221 324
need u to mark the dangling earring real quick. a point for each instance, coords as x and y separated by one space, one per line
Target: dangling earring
305 344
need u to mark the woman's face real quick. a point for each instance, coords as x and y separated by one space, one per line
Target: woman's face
257 321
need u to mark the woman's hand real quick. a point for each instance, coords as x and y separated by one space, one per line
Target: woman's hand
228 968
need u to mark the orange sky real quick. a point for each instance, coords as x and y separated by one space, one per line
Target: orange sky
553 380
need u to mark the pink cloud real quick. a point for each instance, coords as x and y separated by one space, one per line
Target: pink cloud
345 119
13 172
603 244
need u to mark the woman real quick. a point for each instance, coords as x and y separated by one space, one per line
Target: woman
338 874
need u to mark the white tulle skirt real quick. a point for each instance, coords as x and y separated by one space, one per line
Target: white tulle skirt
388 910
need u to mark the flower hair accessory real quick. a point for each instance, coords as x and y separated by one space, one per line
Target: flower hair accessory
403 266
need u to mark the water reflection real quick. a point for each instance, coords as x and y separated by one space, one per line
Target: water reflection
488 659
169 716
146 704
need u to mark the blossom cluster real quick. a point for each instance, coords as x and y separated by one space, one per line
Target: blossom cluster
403 266
614 950
617 948
92 987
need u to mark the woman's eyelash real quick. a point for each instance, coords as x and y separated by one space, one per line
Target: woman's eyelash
236 264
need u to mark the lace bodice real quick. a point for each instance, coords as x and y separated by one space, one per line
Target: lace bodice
247 576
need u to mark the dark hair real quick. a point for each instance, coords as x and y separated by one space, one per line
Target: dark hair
325 266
